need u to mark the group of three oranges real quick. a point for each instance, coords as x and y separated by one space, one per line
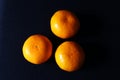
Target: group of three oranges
69 55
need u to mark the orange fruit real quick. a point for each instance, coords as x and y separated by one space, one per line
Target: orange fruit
64 24
69 56
37 49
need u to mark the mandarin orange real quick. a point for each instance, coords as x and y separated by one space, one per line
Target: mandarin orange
37 49
69 56
64 24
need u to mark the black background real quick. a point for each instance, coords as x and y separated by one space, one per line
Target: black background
99 37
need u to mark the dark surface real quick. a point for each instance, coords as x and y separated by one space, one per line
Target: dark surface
99 37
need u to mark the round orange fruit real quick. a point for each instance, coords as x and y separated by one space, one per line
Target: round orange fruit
64 24
69 56
37 49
